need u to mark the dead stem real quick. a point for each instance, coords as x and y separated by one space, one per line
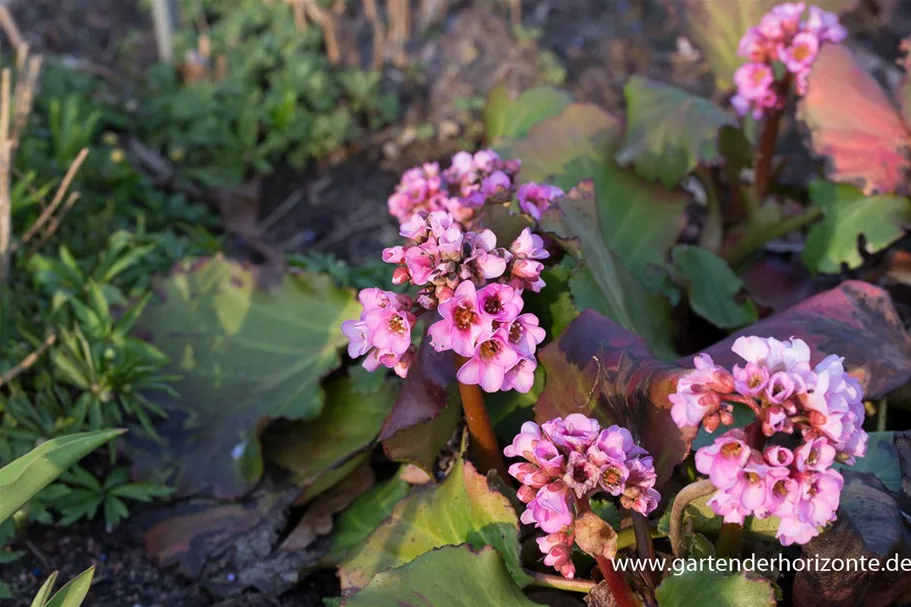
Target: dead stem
29 360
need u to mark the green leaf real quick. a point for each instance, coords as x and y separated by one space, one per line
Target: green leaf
452 576
669 131
508 118
881 460
714 588
44 592
704 520
712 287
26 476
462 509
348 425
848 214
717 27
639 221
605 284
73 593
363 516
5 592
244 355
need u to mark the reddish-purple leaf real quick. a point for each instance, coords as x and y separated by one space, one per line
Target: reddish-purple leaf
870 527
855 320
604 371
854 124
423 418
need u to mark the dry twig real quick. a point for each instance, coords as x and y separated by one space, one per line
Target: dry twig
29 360
45 216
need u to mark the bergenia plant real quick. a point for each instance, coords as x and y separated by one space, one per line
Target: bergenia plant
455 270
790 36
806 419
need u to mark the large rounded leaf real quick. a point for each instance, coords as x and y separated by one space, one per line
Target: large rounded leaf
712 286
848 215
670 131
452 576
462 509
854 125
245 355
638 221
506 118
717 26
716 589
604 282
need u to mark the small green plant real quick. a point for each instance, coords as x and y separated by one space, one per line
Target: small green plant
84 495
277 99
23 479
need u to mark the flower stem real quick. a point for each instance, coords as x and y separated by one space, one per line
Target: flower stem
756 239
728 544
621 592
687 496
558 582
482 436
767 141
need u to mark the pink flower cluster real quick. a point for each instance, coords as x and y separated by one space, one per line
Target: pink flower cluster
383 331
823 404
476 286
568 460
471 181
797 486
782 35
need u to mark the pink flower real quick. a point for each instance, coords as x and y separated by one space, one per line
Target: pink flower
723 460
753 46
698 392
421 261
524 443
575 431
789 14
614 474
780 387
359 337
778 456
521 377
825 25
741 105
529 474
525 334
390 329
800 54
753 80
528 246
551 509
488 366
582 475
500 303
643 501
782 492
463 326
549 458
750 380
816 455
394 255
559 557
614 443
535 199
484 261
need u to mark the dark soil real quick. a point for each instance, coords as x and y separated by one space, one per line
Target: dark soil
341 207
